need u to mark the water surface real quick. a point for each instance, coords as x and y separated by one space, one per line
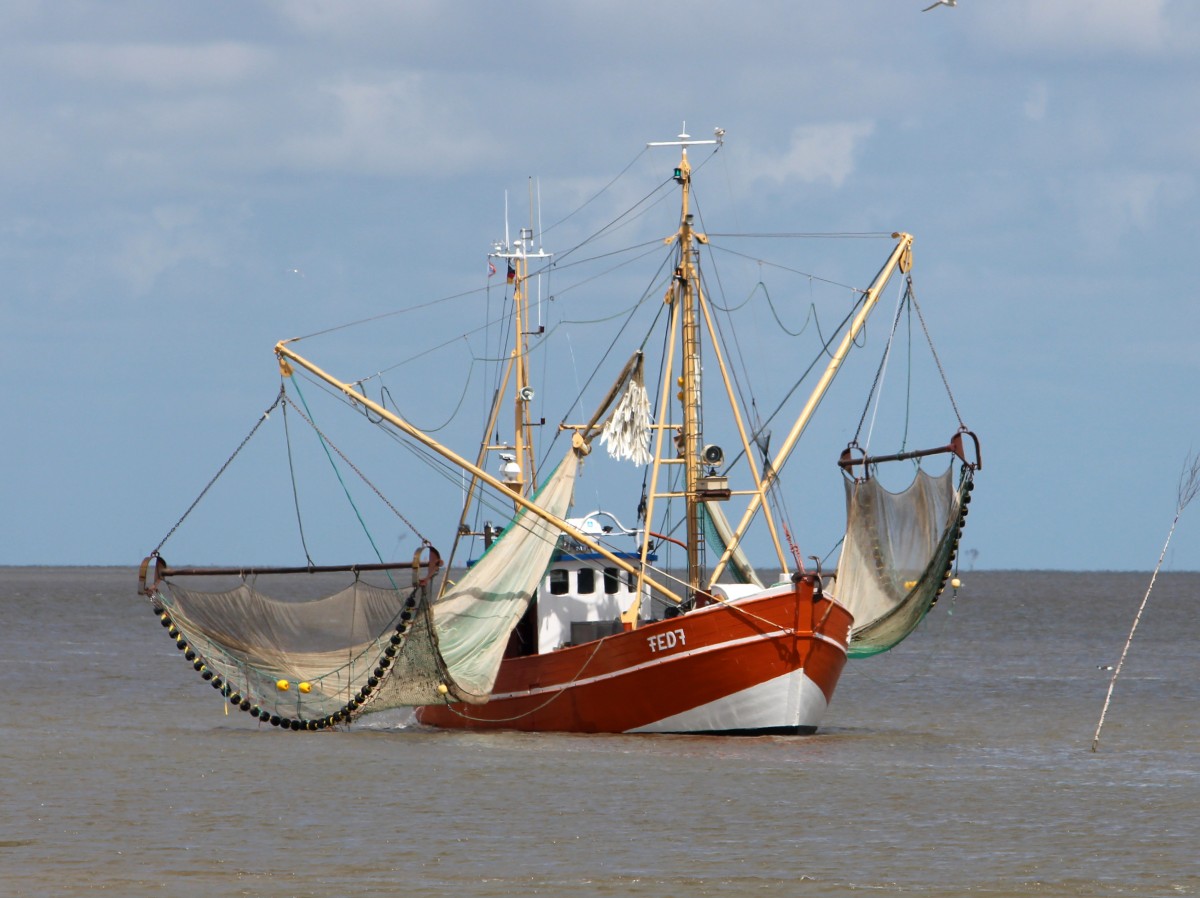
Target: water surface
956 764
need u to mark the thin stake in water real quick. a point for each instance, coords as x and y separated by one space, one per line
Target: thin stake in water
1189 485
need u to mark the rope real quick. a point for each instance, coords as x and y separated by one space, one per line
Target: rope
329 445
450 707
266 414
887 351
913 296
787 268
287 434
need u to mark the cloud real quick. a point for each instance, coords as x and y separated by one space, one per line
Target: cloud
1037 102
816 154
1112 206
157 66
1081 28
169 236
368 20
402 123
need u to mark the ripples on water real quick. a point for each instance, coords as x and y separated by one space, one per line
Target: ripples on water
957 764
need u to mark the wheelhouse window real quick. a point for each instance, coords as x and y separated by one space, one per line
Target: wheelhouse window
560 582
586 581
612 581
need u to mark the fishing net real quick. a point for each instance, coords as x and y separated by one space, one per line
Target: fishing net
897 554
309 664
290 661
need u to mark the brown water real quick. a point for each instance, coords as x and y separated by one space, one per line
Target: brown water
957 764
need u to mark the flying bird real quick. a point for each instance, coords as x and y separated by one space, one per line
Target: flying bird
941 3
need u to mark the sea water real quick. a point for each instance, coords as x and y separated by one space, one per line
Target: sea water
957 764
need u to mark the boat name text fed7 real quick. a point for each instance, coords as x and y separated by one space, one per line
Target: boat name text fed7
661 642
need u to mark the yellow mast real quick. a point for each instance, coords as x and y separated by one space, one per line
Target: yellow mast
523 449
687 303
683 296
519 468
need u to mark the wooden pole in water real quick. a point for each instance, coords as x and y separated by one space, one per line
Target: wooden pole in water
1189 485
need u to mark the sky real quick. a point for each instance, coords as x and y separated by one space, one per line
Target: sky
186 183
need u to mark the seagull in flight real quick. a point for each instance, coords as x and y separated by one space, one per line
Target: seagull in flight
941 3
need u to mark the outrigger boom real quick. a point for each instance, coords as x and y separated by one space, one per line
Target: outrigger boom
286 355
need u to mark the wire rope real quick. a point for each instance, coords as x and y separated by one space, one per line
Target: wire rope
253 430
327 445
295 488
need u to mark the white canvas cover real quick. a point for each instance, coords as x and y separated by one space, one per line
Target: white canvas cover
472 621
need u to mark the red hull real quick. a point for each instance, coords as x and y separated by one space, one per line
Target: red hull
662 676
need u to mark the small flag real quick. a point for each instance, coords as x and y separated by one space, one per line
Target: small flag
491 268
512 273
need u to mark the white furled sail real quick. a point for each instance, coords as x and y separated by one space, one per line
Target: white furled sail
626 434
897 555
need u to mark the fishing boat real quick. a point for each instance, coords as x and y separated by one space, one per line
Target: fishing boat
583 622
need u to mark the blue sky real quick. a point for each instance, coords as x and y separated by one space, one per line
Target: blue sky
186 183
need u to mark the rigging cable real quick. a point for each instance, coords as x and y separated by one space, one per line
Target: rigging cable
597 194
263 417
620 218
767 262
612 344
327 445
913 295
739 356
876 391
287 435
807 371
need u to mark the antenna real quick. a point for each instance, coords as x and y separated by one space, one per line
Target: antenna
685 139
539 246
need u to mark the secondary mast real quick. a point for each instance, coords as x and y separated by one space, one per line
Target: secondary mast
520 467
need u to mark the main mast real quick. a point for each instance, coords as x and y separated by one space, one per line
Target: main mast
684 298
688 313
